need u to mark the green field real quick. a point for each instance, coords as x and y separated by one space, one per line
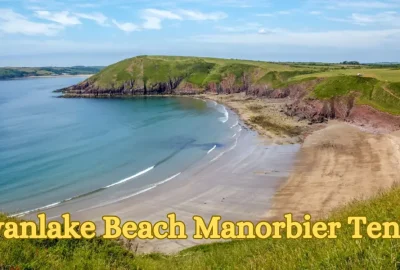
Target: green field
20 72
383 74
341 253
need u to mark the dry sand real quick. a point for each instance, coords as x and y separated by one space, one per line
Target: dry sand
335 166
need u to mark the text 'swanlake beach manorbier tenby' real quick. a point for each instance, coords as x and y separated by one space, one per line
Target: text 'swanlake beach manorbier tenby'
137 136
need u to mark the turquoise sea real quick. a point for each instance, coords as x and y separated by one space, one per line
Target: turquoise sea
54 150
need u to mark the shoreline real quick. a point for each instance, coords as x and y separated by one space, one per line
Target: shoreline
266 117
59 76
300 186
235 183
47 76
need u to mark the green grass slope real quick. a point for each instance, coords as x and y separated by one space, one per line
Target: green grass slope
340 253
377 87
194 70
377 94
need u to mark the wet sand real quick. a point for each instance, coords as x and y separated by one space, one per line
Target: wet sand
237 183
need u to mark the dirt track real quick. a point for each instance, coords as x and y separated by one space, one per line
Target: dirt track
336 165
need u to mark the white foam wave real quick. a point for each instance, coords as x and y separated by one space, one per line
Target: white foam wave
225 112
209 151
132 195
131 177
234 135
36 209
237 123
57 203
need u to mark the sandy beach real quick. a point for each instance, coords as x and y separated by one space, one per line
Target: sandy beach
266 174
336 165
236 183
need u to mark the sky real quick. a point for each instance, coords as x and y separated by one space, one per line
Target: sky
82 32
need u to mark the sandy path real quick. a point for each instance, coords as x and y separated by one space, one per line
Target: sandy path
336 165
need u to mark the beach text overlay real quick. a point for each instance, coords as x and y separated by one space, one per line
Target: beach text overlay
213 228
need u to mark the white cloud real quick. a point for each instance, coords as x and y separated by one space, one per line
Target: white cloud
391 18
68 19
63 17
367 4
200 16
315 12
262 31
15 23
161 14
99 18
153 18
126 27
285 12
152 23
357 5
330 39
281 12
388 19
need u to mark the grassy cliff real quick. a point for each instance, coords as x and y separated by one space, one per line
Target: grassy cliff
199 72
340 253
164 75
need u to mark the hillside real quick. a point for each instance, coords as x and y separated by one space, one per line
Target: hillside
21 72
316 91
340 253
168 75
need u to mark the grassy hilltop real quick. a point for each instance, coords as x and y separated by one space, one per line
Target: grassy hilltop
378 86
340 253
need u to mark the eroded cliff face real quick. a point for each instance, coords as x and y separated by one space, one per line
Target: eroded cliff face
129 88
299 102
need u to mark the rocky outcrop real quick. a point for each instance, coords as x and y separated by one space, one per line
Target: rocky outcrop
128 88
345 109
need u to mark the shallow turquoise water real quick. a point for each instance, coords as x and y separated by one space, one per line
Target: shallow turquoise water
54 149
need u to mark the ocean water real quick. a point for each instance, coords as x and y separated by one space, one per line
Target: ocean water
54 150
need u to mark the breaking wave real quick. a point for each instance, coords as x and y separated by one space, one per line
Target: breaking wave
82 195
209 151
131 177
226 115
132 195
